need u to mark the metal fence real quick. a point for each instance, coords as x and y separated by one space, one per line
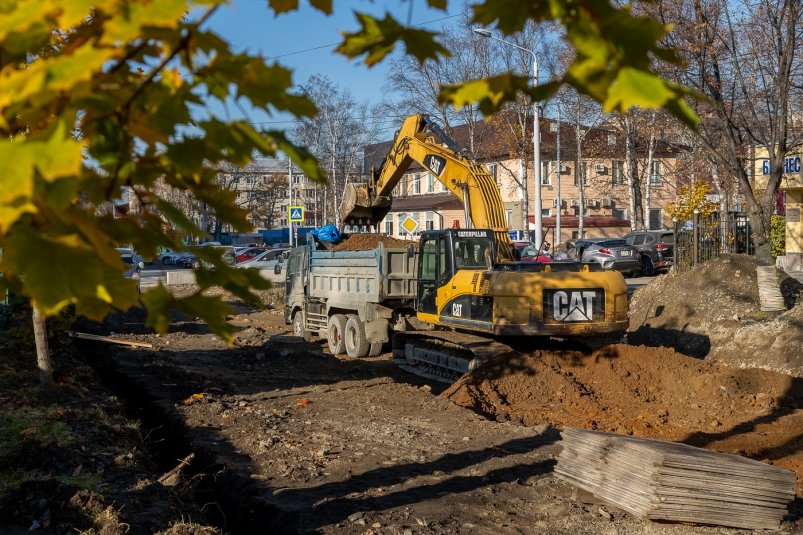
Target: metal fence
706 237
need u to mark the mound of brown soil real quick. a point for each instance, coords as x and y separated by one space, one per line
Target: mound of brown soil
365 242
649 392
714 312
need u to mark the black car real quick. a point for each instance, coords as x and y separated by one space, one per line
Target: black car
656 248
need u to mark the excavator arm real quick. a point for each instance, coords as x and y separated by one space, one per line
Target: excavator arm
469 181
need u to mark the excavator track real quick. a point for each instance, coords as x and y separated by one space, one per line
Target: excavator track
444 355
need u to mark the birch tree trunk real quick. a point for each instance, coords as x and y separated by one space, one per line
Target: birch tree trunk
43 361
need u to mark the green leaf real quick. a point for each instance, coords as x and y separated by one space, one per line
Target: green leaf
491 93
378 38
510 16
159 303
127 22
57 157
636 88
69 272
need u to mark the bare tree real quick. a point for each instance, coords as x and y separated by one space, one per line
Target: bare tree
337 136
745 57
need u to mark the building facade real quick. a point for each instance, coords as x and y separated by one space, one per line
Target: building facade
594 199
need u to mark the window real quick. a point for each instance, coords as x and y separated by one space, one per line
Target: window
546 212
509 217
576 211
389 227
619 213
545 179
584 172
430 224
656 219
428 260
618 172
656 173
399 219
491 169
430 183
417 183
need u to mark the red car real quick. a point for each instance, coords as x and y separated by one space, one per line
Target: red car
526 252
250 253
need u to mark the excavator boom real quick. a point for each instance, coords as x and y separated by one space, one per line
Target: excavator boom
469 181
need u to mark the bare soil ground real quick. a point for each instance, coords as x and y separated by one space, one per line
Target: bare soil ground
287 438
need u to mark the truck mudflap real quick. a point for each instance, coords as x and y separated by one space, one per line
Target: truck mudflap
444 355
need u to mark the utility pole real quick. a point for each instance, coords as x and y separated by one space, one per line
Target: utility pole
558 200
289 200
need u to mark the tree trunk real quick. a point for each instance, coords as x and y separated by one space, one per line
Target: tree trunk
42 350
633 181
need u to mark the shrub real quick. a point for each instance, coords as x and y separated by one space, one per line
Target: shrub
777 235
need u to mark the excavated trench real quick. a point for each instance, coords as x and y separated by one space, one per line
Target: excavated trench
230 502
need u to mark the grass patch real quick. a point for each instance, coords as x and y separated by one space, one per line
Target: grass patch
33 424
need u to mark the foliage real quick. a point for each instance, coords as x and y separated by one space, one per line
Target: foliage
95 104
692 197
615 53
777 235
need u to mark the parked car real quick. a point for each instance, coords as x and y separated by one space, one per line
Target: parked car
527 251
271 264
171 258
656 248
133 262
249 253
609 253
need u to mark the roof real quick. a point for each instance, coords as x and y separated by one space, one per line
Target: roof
492 141
432 201
597 221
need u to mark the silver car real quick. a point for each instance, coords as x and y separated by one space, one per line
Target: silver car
611 254
267 263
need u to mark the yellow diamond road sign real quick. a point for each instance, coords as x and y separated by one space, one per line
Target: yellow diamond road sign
409 224
295 214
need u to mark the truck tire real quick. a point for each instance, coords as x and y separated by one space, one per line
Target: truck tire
336 334
356 342
375 350
298 327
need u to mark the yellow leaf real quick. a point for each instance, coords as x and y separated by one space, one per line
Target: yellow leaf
126 24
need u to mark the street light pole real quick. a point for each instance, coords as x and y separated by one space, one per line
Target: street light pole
536 142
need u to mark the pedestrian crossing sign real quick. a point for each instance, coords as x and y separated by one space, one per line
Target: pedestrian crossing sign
295 214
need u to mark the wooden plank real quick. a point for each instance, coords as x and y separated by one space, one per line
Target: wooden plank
98 338
670 481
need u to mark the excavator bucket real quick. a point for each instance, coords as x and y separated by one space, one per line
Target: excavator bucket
358 208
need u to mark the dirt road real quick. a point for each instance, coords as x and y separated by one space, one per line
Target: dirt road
275 435
288 438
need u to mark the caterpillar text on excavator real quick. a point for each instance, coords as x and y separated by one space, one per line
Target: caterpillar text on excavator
443 305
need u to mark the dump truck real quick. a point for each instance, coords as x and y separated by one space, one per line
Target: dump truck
353 298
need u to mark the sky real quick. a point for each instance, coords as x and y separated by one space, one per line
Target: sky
304 41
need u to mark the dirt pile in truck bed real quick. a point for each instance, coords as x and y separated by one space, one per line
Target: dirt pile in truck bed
365 242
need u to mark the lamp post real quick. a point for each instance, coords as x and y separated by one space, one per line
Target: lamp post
539 237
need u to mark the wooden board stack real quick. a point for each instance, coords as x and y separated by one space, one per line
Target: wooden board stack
669 481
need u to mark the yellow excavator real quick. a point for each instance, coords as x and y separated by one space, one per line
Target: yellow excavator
469 285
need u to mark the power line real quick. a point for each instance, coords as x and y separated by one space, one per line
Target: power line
312 49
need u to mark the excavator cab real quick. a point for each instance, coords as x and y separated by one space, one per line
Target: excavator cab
452 266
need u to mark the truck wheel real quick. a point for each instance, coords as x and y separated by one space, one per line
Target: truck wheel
298 327
375 350
335 334
356 342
